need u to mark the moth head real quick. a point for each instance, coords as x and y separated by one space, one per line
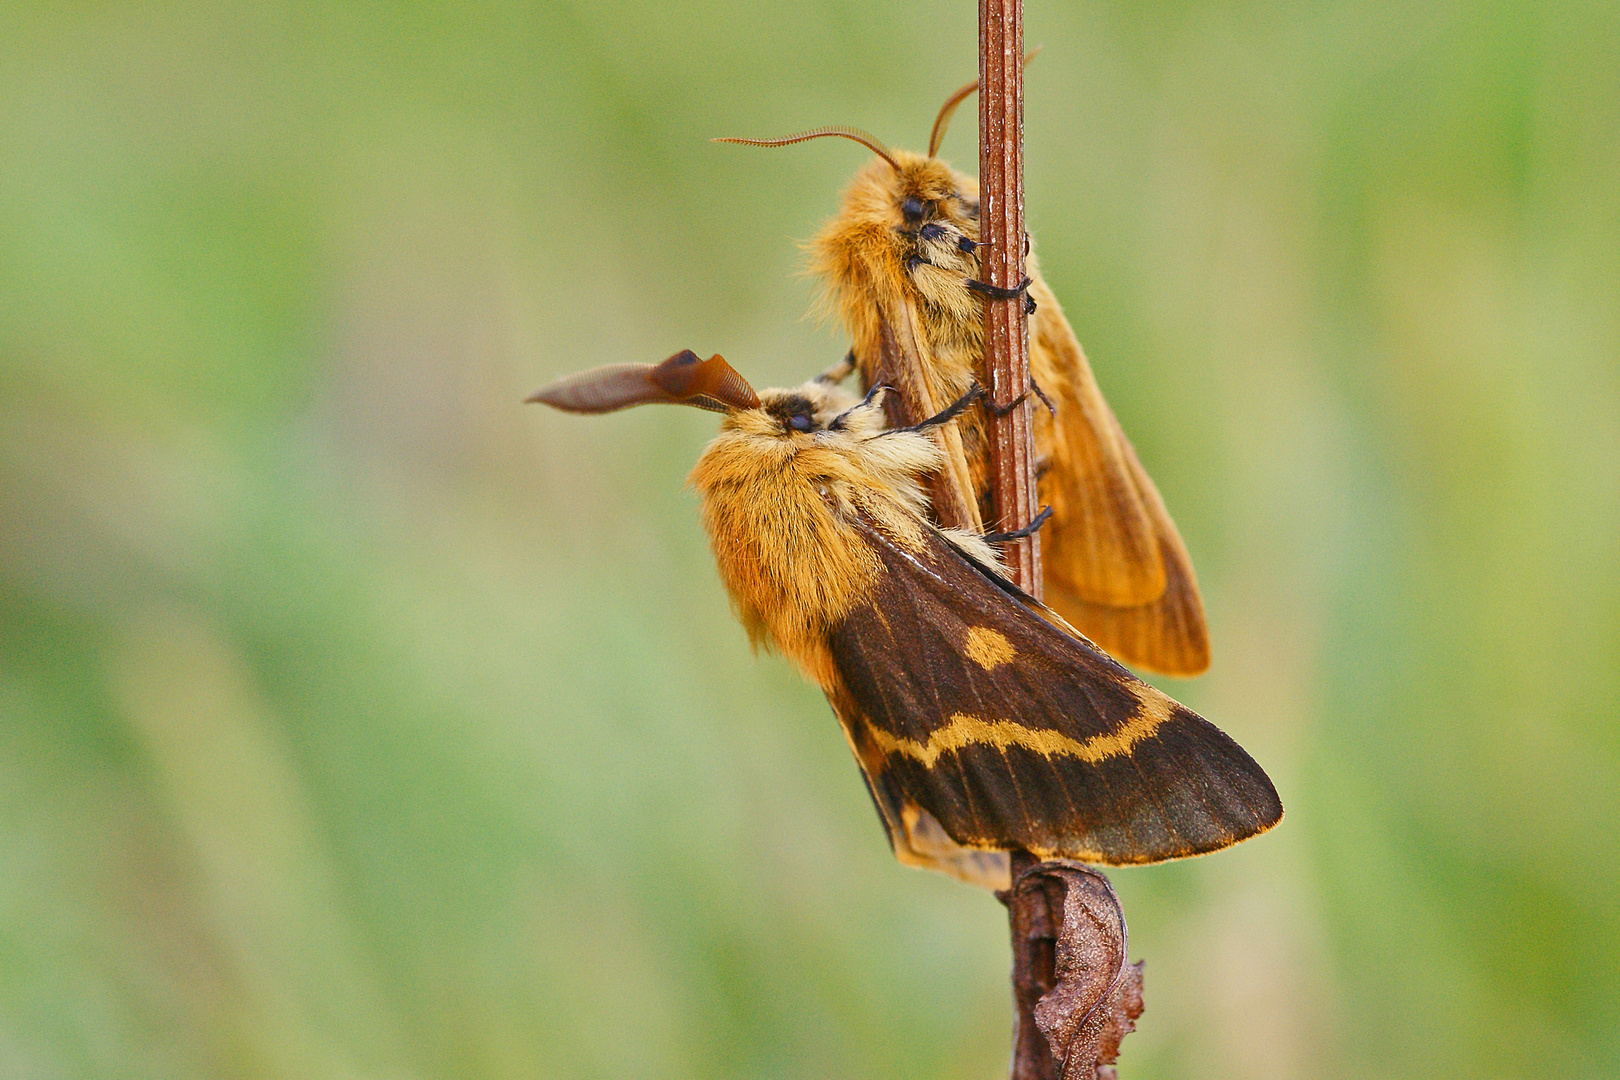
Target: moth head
818 412
922 217
906 191
914 207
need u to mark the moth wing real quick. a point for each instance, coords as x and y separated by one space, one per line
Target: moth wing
962 701
1102 543
898 343
1115 564
916 836
1168 635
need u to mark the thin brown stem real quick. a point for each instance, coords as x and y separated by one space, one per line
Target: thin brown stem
1012 446
1006 326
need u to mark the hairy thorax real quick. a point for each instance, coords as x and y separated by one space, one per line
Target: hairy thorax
778 505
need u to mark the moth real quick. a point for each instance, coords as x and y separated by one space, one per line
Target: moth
981 720
899 267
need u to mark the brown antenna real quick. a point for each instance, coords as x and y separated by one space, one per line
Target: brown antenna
943 120
855 134
683 379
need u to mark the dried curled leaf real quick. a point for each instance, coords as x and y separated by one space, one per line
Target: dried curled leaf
1070 974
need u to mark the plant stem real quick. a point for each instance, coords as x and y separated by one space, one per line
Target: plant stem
1006 327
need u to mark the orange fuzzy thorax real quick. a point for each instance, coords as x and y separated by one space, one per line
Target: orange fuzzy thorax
776 504
861 257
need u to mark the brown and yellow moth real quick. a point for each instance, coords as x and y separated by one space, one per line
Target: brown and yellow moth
982 721
900 268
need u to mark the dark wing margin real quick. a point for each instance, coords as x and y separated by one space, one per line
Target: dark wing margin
975 717
915 835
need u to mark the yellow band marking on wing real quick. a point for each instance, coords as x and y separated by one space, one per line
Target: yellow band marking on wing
966 730
987 648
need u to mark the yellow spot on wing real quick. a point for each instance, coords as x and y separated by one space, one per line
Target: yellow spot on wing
966 730
988 648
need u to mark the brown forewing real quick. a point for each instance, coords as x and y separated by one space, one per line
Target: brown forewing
964 702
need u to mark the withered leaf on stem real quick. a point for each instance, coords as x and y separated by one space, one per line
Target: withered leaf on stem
1070 972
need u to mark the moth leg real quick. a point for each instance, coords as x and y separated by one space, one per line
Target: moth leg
1033 385
996 292
1002 410
945 416
1019 534
837 423
839 371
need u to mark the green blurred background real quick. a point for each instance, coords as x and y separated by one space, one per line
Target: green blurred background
359 722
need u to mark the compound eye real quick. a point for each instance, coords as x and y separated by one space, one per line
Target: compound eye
913 208
801 422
